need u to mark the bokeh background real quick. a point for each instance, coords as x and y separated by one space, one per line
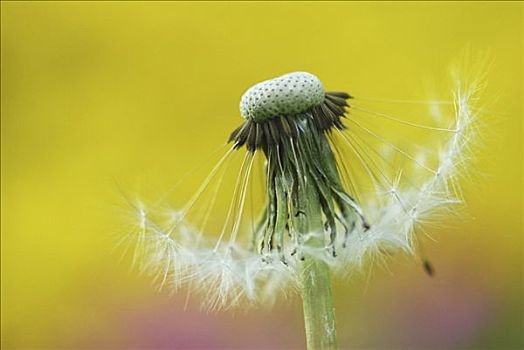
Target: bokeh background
100 96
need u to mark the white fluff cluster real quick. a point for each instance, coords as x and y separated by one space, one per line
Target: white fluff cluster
406 209
176 255
227 272
291 93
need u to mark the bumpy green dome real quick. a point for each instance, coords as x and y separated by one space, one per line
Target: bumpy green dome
292 93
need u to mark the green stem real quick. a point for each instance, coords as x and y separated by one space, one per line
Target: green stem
317 301
315 282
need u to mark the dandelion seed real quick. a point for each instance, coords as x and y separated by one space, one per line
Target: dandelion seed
338 192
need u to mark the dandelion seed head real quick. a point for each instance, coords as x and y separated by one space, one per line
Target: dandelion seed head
289 94
411 189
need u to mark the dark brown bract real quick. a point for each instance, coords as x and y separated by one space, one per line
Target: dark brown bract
269 132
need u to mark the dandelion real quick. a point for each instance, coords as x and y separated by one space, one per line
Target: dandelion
339 191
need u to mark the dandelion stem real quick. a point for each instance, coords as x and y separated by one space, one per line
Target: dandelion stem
314 275
317 302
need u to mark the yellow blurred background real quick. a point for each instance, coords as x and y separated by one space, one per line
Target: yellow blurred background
101 95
